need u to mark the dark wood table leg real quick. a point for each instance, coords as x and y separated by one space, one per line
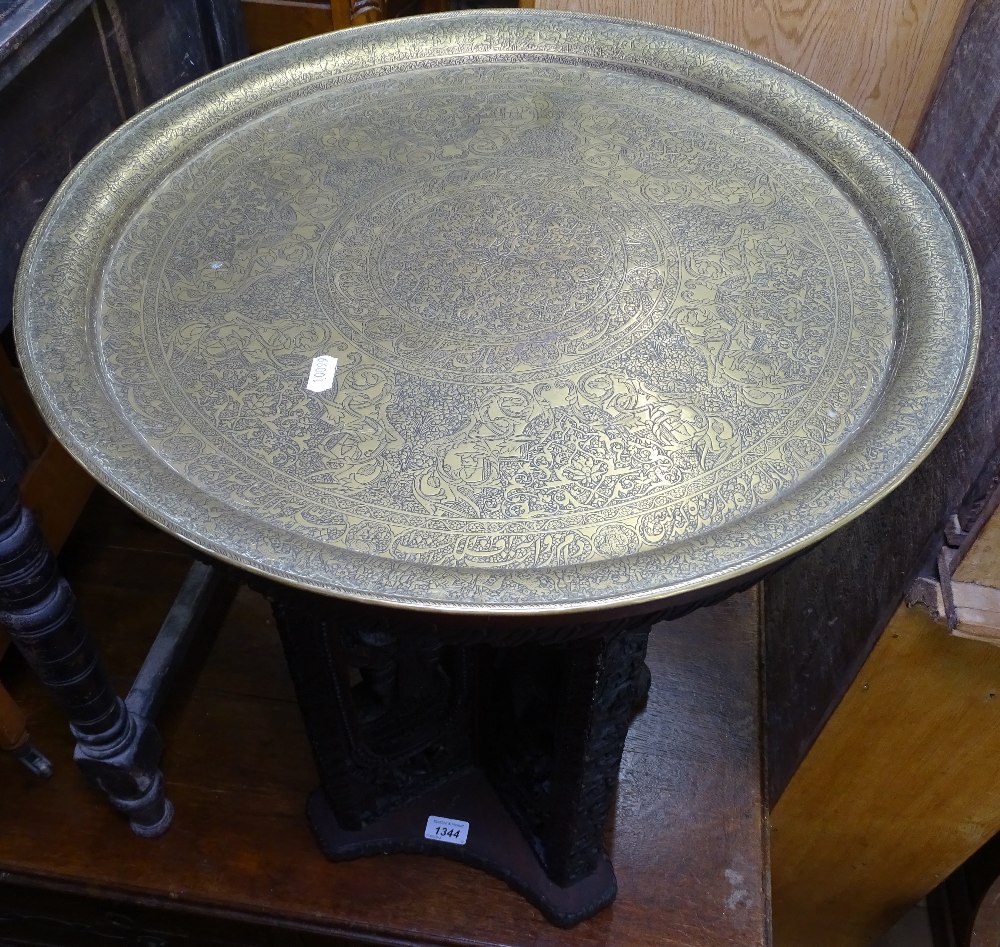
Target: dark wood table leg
118 750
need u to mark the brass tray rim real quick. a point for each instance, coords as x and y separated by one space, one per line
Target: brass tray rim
725 576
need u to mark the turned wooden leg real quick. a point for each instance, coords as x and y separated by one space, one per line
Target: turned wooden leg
118 750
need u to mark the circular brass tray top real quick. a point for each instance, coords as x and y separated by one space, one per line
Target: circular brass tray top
618 313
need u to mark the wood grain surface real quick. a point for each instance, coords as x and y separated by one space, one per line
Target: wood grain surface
882 56
272 23
899 789
979 567
687 839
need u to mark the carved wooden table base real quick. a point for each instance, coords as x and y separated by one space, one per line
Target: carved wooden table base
499 747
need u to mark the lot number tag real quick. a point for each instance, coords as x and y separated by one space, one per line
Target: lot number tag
321 374
452 831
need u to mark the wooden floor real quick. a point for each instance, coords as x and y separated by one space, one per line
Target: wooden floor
239 865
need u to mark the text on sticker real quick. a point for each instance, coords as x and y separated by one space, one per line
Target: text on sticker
452 831
321 373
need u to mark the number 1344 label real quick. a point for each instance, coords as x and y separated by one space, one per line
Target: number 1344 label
453 831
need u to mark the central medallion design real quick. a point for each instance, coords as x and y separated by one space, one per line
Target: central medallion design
487 273
485 260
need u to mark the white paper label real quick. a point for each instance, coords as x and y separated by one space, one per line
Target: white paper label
321 373
452 831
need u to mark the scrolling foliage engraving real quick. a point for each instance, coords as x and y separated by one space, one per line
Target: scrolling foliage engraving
600 327
570 325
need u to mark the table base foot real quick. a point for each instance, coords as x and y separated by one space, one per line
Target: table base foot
128 772
33 760
494 844
156 827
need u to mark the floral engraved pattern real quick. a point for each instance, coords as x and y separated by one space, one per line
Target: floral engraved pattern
457 286
616 312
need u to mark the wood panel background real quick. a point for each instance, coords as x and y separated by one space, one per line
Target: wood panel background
900 788
882 56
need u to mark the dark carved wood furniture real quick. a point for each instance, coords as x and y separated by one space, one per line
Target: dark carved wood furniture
13 723
117 749
117 744
14 735
506 737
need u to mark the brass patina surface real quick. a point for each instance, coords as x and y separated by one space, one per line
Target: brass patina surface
619 312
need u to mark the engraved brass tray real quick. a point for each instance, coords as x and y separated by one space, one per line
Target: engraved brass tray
619 313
